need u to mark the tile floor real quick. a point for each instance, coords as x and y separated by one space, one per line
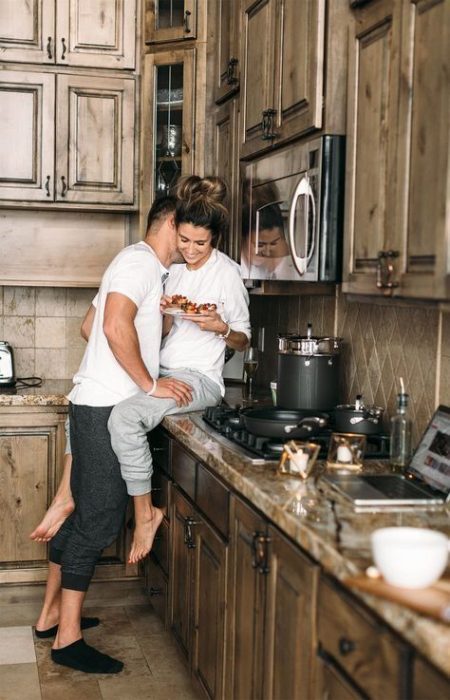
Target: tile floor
129 631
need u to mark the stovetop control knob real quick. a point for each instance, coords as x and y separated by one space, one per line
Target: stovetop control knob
260 442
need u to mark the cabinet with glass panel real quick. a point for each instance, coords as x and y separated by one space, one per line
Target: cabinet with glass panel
170 20
168 122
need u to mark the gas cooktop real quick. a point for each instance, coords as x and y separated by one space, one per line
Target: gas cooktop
225 424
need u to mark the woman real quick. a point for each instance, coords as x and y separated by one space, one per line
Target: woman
193 348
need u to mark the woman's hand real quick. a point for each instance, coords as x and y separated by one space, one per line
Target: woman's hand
209 321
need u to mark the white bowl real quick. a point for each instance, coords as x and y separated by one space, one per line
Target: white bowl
410 557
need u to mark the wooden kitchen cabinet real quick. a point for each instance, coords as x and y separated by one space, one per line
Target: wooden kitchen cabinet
226 166
287 88
227 49
171 20
169 127
198 586
397 166
73 139
31 454
272 601
428 683
94 33
359 648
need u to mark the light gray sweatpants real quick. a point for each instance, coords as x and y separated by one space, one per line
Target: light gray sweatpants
132 419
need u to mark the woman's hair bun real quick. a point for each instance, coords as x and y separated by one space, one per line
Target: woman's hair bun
193 188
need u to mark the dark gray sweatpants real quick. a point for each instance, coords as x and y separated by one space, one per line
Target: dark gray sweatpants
100 496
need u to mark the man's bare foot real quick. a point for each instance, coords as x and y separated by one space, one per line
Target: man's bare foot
58 512
144 534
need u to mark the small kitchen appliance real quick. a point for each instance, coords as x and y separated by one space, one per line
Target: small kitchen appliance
308 372
7 373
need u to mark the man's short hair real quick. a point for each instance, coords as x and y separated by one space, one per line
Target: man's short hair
160 209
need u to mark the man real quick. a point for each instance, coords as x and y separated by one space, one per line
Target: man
121 358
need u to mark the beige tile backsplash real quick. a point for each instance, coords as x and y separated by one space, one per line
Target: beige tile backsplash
43 326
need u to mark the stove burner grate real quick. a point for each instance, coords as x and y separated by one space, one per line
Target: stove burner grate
227 421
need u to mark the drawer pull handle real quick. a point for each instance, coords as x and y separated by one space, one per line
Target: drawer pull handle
346 646
49 48
155 591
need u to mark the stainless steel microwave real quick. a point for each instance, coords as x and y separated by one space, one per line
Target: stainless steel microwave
292 213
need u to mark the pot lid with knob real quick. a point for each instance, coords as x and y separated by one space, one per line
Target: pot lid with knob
293 344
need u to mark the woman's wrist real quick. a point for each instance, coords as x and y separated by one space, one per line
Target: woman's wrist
226 332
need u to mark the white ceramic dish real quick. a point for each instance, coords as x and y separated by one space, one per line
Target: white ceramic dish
410 557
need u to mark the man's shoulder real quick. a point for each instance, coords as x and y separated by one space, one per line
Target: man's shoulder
136 253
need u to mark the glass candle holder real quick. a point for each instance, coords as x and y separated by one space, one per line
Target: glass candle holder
346 451
298 458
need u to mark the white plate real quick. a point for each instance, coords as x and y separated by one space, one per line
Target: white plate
179 312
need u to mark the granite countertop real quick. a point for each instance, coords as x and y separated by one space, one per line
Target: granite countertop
52 392
324 525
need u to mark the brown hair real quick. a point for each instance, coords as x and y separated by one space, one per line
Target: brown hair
160 210
202 202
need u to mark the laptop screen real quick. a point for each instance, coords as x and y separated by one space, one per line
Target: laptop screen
431 460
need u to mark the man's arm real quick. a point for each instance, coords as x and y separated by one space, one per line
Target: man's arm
121 334
88 320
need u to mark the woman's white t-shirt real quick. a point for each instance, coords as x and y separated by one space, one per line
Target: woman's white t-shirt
137 273
218 281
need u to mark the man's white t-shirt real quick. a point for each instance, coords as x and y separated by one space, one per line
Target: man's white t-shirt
218 281
137 273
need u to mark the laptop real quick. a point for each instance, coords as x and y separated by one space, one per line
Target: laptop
426 480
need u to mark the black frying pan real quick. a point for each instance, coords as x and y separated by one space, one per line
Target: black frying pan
279 423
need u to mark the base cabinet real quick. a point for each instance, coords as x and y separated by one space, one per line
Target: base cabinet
272 599
198 584
31 452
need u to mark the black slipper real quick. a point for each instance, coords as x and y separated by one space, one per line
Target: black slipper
86 622
83 657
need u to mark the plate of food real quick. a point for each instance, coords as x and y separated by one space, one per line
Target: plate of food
180 305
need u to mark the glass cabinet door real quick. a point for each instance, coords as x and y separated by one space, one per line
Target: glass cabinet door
167 122
170 20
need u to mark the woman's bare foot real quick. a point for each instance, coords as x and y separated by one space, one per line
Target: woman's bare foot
58 512
144 534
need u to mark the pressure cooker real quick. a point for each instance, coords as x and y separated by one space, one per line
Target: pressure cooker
308 371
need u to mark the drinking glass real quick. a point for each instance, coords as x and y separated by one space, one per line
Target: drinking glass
250 367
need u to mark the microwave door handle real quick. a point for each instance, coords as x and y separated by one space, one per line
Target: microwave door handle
300 262
310 253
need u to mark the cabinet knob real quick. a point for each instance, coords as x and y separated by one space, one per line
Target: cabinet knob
386 270
187 24
231 78
155 591
268 134
346 646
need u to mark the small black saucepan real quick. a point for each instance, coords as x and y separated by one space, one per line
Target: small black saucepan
278 423
357 418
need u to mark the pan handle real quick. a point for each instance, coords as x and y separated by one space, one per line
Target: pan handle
308 423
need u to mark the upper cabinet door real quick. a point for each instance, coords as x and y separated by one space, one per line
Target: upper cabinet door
227 65
300 67
258 62
170 20
424 173
374 77
98 33
95 140
27 103
27 29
